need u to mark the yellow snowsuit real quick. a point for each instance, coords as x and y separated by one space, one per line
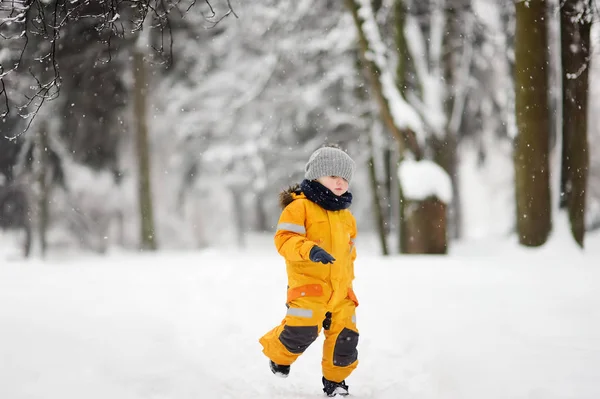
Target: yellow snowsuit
314 289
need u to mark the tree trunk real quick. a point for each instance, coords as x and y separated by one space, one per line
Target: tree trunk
42 169
445 155
575 24
425 223
405 136
404 60
389 197
238 213
379 218
147 229
404 230
531 161
456 60
262 219
414 218
402 70
404 127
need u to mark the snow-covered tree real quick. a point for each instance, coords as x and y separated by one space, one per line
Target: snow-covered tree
35 32
250 100
421 99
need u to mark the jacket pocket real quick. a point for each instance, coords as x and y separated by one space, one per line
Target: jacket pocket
304 290
352 296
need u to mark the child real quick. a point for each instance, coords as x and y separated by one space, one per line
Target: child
315 235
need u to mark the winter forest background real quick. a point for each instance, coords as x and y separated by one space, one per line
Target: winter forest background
174 124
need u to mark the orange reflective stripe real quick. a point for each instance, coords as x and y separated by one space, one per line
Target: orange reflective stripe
304 290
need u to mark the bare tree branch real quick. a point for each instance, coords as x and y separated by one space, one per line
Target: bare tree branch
211 18
31 31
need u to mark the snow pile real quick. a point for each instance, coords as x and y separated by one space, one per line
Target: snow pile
423 179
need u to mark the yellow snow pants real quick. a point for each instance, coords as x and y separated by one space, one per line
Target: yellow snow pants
301 326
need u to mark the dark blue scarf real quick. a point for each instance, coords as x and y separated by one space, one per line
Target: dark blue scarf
324 197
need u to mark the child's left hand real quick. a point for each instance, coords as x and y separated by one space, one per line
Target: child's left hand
318 254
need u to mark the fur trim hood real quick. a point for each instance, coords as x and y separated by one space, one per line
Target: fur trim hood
288 195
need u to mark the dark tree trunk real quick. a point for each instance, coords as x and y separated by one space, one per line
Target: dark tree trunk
533 123
425 225
575 24
42 171
147 228
389 179
377 208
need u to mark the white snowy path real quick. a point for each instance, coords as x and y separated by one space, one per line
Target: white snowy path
502 325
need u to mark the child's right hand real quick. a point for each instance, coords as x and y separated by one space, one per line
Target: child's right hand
318 254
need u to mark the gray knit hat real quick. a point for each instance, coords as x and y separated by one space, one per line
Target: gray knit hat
329 161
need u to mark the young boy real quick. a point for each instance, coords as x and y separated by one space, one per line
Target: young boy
315 235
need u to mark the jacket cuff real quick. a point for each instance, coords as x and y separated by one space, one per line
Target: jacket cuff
305 249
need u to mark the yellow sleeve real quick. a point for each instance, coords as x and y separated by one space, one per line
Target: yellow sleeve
290 238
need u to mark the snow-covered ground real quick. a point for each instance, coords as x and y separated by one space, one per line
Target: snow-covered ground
489 321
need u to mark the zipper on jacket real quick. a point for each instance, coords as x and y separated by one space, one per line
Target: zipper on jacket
332 246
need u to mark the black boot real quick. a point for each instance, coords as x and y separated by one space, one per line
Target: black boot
332 388
279 370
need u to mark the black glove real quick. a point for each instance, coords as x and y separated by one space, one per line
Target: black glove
318 254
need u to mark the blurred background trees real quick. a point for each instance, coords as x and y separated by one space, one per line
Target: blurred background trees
174 124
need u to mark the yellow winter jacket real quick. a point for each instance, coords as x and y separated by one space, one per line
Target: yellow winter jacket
302 225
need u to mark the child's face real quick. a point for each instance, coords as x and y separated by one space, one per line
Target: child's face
338 185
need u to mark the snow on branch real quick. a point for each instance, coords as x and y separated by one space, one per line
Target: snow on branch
432 107
404 115
424 179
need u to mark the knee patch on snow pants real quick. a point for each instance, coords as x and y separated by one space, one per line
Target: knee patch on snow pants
297 338
344 351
